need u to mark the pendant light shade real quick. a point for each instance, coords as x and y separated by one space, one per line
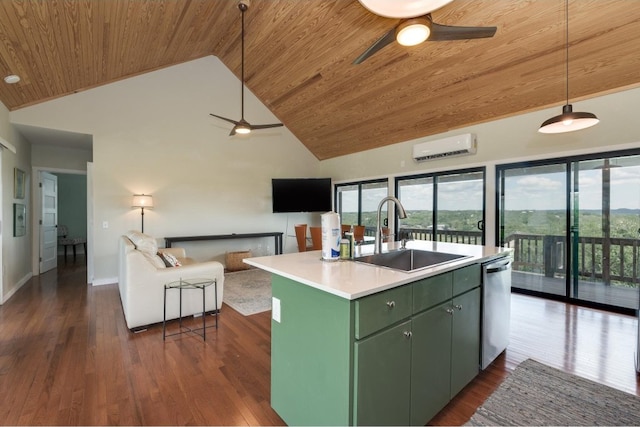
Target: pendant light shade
568 121
403 8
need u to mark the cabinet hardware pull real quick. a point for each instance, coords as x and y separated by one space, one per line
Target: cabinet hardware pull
391 304
450 310
458 306
407 334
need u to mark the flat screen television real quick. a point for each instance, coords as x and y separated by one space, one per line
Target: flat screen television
301 194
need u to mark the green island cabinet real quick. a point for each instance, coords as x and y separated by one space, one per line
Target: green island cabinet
396 357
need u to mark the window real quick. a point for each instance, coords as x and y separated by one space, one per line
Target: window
357 202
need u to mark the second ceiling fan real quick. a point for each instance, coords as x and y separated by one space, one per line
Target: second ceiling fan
413 30
242 126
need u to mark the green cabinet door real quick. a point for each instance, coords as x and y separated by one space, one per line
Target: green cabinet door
383 377
465 340
430 362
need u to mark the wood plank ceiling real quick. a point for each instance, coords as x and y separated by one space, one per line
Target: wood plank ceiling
299 54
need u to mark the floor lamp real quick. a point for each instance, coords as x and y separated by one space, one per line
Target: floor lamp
142 201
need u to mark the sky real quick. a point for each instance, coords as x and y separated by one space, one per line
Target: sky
540 189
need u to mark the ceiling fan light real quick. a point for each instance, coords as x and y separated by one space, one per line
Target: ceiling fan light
568 121
413 32
242 129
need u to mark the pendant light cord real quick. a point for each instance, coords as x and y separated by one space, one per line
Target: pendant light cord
242 69
567 46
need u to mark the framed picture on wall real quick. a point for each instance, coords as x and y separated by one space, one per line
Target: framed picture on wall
18 183
19 219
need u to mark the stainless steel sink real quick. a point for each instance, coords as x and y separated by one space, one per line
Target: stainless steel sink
409 260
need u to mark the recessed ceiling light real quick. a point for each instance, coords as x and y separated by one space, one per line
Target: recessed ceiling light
12 79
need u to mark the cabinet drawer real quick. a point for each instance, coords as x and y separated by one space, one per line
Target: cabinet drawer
380 310
466 278
432 291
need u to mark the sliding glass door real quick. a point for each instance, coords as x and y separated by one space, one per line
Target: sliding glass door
445 207
357 203
533 221
573 224
605 226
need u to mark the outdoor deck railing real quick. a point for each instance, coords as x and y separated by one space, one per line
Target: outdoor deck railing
451 236
546 255
537 253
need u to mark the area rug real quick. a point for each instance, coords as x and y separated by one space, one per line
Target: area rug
248 291
536 394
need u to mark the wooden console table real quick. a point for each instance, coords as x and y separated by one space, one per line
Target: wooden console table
168 241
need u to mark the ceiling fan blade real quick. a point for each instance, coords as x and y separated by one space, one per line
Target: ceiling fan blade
388 38
441 32
274 125
224 118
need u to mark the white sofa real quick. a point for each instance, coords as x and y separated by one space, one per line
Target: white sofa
143 274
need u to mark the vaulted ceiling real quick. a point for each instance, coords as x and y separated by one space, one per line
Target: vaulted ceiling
299 57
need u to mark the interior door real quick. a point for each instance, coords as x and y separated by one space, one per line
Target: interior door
48 222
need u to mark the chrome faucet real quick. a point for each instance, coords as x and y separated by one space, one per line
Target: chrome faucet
401 213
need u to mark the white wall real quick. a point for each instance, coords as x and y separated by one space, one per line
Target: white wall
16 251
153 134
59 158
503 141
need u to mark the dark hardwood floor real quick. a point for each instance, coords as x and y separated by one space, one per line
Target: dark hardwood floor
67 358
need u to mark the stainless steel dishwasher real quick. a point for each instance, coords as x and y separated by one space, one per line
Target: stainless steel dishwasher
496 308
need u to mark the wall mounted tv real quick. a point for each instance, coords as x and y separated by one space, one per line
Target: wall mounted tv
301 194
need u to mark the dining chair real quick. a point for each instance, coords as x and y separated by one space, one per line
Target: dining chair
301 237
65 241
316 238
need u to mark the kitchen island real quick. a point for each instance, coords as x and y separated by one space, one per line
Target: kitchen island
355 344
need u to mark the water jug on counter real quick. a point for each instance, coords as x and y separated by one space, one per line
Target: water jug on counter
330 222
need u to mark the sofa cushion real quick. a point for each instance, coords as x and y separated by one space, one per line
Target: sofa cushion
154 259
143 242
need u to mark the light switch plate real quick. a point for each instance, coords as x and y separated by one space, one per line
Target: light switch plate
275 309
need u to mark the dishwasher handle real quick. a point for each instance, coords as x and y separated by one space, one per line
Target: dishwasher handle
498 266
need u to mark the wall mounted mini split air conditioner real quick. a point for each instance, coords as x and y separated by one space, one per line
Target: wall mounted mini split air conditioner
446 147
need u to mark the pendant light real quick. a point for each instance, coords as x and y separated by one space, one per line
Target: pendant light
568 121
403 9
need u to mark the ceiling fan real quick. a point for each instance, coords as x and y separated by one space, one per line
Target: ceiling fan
414 29
242 126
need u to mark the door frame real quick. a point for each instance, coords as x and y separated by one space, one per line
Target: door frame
36 200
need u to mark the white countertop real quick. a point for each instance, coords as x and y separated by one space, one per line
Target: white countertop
352 280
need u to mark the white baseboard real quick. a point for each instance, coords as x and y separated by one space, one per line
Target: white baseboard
104 281
20 283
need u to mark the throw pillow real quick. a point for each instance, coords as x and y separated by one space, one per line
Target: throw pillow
169 259
165 262
143 242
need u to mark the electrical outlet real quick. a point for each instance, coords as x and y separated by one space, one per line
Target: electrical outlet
275 309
